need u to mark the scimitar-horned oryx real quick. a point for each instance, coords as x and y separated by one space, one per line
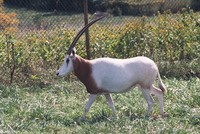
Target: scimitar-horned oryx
103 76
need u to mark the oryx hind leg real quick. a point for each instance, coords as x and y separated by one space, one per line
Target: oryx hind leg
149 99
159 94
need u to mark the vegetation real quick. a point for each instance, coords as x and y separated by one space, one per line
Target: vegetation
173 41
57 108
8 21
116 7
36 101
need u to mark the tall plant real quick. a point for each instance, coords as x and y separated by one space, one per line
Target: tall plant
8 28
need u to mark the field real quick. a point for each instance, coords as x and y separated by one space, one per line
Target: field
58 108
34 100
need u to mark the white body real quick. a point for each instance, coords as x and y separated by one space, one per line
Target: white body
119 75
108 75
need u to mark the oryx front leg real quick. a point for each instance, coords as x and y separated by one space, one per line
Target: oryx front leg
149 99
111 104
88 105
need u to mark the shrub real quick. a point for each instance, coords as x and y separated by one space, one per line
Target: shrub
116 7
8 21
8 28
196 4
173 41
35 55
167 38
69 5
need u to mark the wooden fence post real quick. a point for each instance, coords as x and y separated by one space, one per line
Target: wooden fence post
87 38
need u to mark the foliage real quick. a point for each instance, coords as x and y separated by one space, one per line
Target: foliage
36 55
172 38
196 4
8 21
8 28
48 105
57 108
172 41
69 5
116 7
1 6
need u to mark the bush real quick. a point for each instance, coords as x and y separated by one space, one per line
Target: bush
8 21
172 41
50 5
169 38
196 4
35 55
115 7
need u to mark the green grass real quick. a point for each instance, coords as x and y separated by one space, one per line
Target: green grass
57 108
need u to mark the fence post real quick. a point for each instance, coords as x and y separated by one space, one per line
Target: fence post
87 39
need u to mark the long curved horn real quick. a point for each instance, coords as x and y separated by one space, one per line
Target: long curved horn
82 31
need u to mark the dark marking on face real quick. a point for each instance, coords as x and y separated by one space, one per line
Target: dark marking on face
67 61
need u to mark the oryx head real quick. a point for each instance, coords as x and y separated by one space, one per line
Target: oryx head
67 65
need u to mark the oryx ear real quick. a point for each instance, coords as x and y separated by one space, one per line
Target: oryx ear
74 51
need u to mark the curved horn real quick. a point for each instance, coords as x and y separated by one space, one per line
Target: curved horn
81 32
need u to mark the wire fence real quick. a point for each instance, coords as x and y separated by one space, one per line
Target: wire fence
44 14
35 15
39 30
27 17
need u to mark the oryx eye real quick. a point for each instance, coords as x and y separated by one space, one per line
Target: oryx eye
67 61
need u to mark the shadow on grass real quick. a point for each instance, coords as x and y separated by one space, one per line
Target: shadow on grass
102 117
97 118
195 120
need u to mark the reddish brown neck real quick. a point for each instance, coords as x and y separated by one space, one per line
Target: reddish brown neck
83 70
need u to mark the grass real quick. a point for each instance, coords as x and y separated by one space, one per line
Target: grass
30 19
57 108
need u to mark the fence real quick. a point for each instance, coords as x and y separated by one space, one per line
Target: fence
71 17
40 31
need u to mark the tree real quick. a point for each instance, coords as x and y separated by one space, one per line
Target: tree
1 6
8 21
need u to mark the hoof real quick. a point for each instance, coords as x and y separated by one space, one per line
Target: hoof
83 118
116 117
164 115
147 116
